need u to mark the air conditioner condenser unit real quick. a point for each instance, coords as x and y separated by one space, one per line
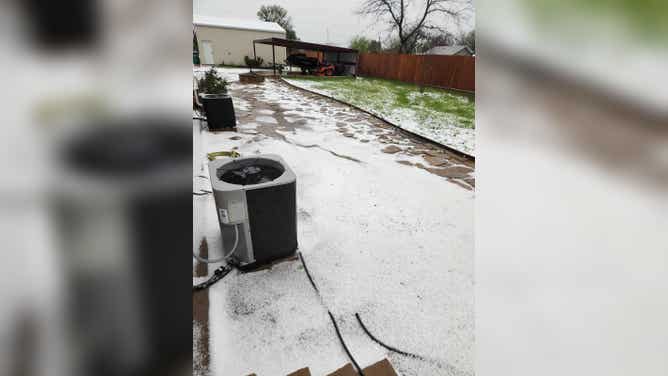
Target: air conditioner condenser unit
256 203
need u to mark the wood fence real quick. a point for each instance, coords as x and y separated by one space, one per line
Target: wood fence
453 72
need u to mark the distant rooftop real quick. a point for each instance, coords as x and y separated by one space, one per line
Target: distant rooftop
232 23
447 50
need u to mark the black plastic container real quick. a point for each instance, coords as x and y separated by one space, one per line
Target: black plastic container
122 209
219 111
58 24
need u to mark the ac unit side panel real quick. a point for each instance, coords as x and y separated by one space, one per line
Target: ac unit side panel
273 221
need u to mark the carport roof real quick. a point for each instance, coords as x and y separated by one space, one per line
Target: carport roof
304 45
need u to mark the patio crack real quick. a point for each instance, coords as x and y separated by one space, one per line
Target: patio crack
270 132
327 150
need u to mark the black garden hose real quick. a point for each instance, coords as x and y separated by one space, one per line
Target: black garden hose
331 317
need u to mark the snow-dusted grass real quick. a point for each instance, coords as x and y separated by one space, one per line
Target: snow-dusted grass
440 115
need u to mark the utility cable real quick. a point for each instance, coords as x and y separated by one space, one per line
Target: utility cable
219 274
435 362
308 274
338 333
223 270
224 257
388 347
366 330
202 192
331 317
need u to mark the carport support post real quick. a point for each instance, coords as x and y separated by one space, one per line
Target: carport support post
273 57
254 55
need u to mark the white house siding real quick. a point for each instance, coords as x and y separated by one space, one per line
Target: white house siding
231 45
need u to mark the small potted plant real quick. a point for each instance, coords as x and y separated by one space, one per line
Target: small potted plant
217 103
252 77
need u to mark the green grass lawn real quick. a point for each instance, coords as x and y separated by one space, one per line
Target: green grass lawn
388 97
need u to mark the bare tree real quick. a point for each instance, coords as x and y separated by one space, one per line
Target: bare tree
409 29
435 39
468 39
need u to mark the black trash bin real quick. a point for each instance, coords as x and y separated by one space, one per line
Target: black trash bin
219 111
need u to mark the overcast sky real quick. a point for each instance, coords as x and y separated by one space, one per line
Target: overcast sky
313 19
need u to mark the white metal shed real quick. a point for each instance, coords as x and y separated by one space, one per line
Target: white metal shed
227 41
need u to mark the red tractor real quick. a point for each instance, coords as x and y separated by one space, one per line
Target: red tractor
311 65
325 69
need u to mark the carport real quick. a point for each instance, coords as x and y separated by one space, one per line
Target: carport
342 55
